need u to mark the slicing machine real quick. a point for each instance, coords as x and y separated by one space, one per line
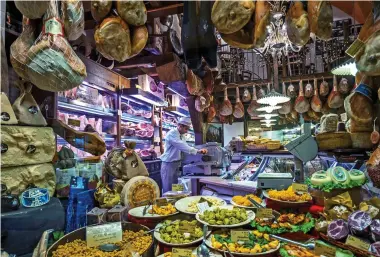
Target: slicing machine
215 162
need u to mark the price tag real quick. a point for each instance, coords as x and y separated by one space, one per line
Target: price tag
326 250
263 213
73 122
358 243
204 200
161 202
299 187
239 235
203 206
177 187
186 228
104 234
355 47
181 252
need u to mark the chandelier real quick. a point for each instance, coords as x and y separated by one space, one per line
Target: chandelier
277 41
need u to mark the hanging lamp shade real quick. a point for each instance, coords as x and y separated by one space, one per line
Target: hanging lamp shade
268 121
268 108
273 98
268 116
346 68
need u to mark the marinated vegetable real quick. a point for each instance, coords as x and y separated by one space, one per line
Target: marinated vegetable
163 210
132 241
170 233
258 242
289 195
220 216
243 200
212 202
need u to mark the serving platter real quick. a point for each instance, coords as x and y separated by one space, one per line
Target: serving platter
266 195
137 212
212 253
183 204
250 216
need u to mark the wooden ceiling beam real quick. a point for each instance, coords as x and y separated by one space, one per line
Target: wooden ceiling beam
145 61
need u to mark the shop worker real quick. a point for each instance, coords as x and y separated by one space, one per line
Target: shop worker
175 144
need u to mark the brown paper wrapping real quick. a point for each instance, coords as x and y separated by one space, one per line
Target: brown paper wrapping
339 200
375 202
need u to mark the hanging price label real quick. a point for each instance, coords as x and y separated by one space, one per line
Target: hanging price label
326 250
73 122
186 228
355 47
239 235
177 187
264 213
358 243
161 202
181 252
299 187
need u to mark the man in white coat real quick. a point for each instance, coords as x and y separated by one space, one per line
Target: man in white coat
175 144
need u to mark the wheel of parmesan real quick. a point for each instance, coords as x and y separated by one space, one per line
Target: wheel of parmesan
139 190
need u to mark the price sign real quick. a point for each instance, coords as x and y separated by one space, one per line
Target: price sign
358 243
203 206
161 202
299 187
73 122
177 187
264 213
181 252
355 47
186 228
104 234
239 235
326 250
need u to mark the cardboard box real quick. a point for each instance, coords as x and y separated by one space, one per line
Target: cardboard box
96 216
117 213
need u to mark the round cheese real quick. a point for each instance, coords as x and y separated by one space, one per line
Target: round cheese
320 177
139 191
339 175
357 175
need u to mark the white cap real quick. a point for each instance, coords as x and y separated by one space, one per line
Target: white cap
185 121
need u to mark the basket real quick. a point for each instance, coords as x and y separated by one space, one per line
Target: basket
356 251
256 147
273 146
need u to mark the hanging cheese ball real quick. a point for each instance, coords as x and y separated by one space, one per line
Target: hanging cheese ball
133 12
100 9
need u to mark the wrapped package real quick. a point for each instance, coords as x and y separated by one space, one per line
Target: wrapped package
19 48
337 229
359 222
132 12
31 145
106 196
26 108
73 18
52 63
372 207
100 9
18 178
375 230
32 9
339 207
113 39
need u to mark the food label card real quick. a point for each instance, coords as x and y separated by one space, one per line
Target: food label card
73 122
326 250
203 206
181 252
358 243
263 213
186 228
299 187
161 202
177 187
104 234
239 235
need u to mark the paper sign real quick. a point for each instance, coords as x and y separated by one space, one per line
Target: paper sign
239 235
203 200
73 122
203 206
299 187
177 187
355 47
181 252
326 250
186 228
104 234
161 202
358 243
264 213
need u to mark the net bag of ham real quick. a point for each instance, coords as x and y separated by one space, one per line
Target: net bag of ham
335 99
316 103
301 104
239 107
297 24
226 107
73 18
32 9
254 104
324 88
320 19
286 108
52 63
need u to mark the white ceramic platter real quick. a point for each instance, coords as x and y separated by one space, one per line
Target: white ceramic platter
250 217
138 213
183 204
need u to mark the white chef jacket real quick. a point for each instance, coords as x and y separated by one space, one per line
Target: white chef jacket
174 145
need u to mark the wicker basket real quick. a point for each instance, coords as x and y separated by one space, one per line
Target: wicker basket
256 147
273 146
356 251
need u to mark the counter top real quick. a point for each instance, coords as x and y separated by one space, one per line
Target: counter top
244 185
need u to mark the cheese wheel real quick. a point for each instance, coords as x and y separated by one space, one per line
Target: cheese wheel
334 140
320 178
357 175
138 190
361 140
339 175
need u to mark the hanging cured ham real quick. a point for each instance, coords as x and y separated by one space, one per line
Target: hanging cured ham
132 12
211 111
297 24
239 107
291 92
194 83
241 39
100 9
301 104
73 18
139 39
200 103
324 88
308 90
226 107
32 9
316 103
246 96
262 19
286 108
320 19
344 87
254 104
335 99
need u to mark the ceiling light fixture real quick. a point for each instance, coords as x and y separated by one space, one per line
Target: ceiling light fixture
268 109
268 121
268 115
346 68
273 98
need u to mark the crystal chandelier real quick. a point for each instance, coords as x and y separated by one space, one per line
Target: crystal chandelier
277 41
